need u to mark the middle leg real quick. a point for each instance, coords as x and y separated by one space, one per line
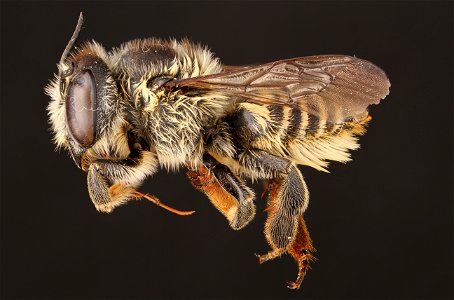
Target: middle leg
227 192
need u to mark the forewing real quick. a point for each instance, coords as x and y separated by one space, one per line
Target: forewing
331 87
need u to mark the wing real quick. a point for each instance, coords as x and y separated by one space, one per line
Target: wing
331 87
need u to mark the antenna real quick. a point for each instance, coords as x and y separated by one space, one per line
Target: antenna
71 42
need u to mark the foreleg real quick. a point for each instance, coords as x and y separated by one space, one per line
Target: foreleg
111 183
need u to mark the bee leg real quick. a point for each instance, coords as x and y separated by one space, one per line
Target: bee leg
106 184
98 188
105 196
301 250
227 192
264 164
285 229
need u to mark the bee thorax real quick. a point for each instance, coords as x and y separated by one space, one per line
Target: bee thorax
177 126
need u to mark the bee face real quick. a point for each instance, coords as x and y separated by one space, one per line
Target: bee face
85 105
92 117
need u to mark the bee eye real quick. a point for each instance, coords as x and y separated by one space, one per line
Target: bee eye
80 108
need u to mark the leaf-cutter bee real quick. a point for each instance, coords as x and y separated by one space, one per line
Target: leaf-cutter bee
154 103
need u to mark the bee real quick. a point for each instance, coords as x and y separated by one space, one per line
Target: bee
153 103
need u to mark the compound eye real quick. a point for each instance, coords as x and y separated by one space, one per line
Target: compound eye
80 108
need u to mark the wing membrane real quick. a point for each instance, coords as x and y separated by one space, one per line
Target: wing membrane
332 87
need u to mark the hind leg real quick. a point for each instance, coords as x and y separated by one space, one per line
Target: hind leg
285 229
301 250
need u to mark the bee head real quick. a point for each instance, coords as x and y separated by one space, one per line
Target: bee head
85 111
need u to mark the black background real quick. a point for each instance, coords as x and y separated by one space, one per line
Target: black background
382 224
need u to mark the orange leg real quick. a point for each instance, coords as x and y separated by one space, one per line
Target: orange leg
301 249
285 229
227 193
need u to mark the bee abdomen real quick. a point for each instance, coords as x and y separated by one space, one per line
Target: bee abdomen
301 125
